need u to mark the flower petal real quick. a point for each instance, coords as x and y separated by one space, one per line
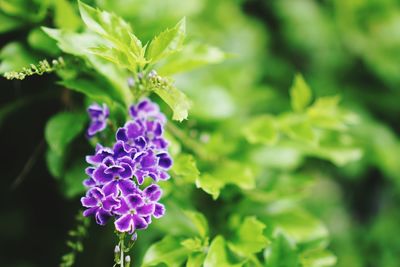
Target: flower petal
159 210
102 216
111 188
110 203
125 171
89 202
153 192
134 200
90 211
146 209
127 187
124 223
139 222
100 176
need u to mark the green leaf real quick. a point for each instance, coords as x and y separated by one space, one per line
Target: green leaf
249 238
55 163
262 130
98 91
73 43
192 56
195 244
318 258
65 16
195 260
217 255
281 253
300 94
167 42
62 128
176 100
72 182
78 45
185 169
105 23
39 40
299 225
228 172
8 23
168 251
327 114
199 221
14 56
118 33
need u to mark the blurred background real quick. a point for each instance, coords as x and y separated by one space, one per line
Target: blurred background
349 48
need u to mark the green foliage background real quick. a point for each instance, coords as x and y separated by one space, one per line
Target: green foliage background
272 168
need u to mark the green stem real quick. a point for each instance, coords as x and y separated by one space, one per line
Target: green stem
122 247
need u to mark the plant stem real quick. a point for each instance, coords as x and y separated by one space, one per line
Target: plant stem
121 244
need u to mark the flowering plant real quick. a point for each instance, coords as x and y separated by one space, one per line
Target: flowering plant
190 162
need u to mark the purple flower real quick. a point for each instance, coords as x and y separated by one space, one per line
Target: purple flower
147 110
99 205
98 118
147 164
133 211
152 194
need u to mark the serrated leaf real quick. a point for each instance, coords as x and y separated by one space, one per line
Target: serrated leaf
62 128
105 23
249 237
168 251
176 100
192 56
327 114
185 169
71 42
167 42
199 221
217 255
117 32
262 130
281 253
300 94
229 172
78 44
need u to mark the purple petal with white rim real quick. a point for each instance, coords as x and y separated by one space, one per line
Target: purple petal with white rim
110 203
126 170
102 216
127 187
124 223
139 222
89 202
159 210
152 192
146 209
90 211
100 175
134 200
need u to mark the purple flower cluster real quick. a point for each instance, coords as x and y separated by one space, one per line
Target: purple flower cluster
116 174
